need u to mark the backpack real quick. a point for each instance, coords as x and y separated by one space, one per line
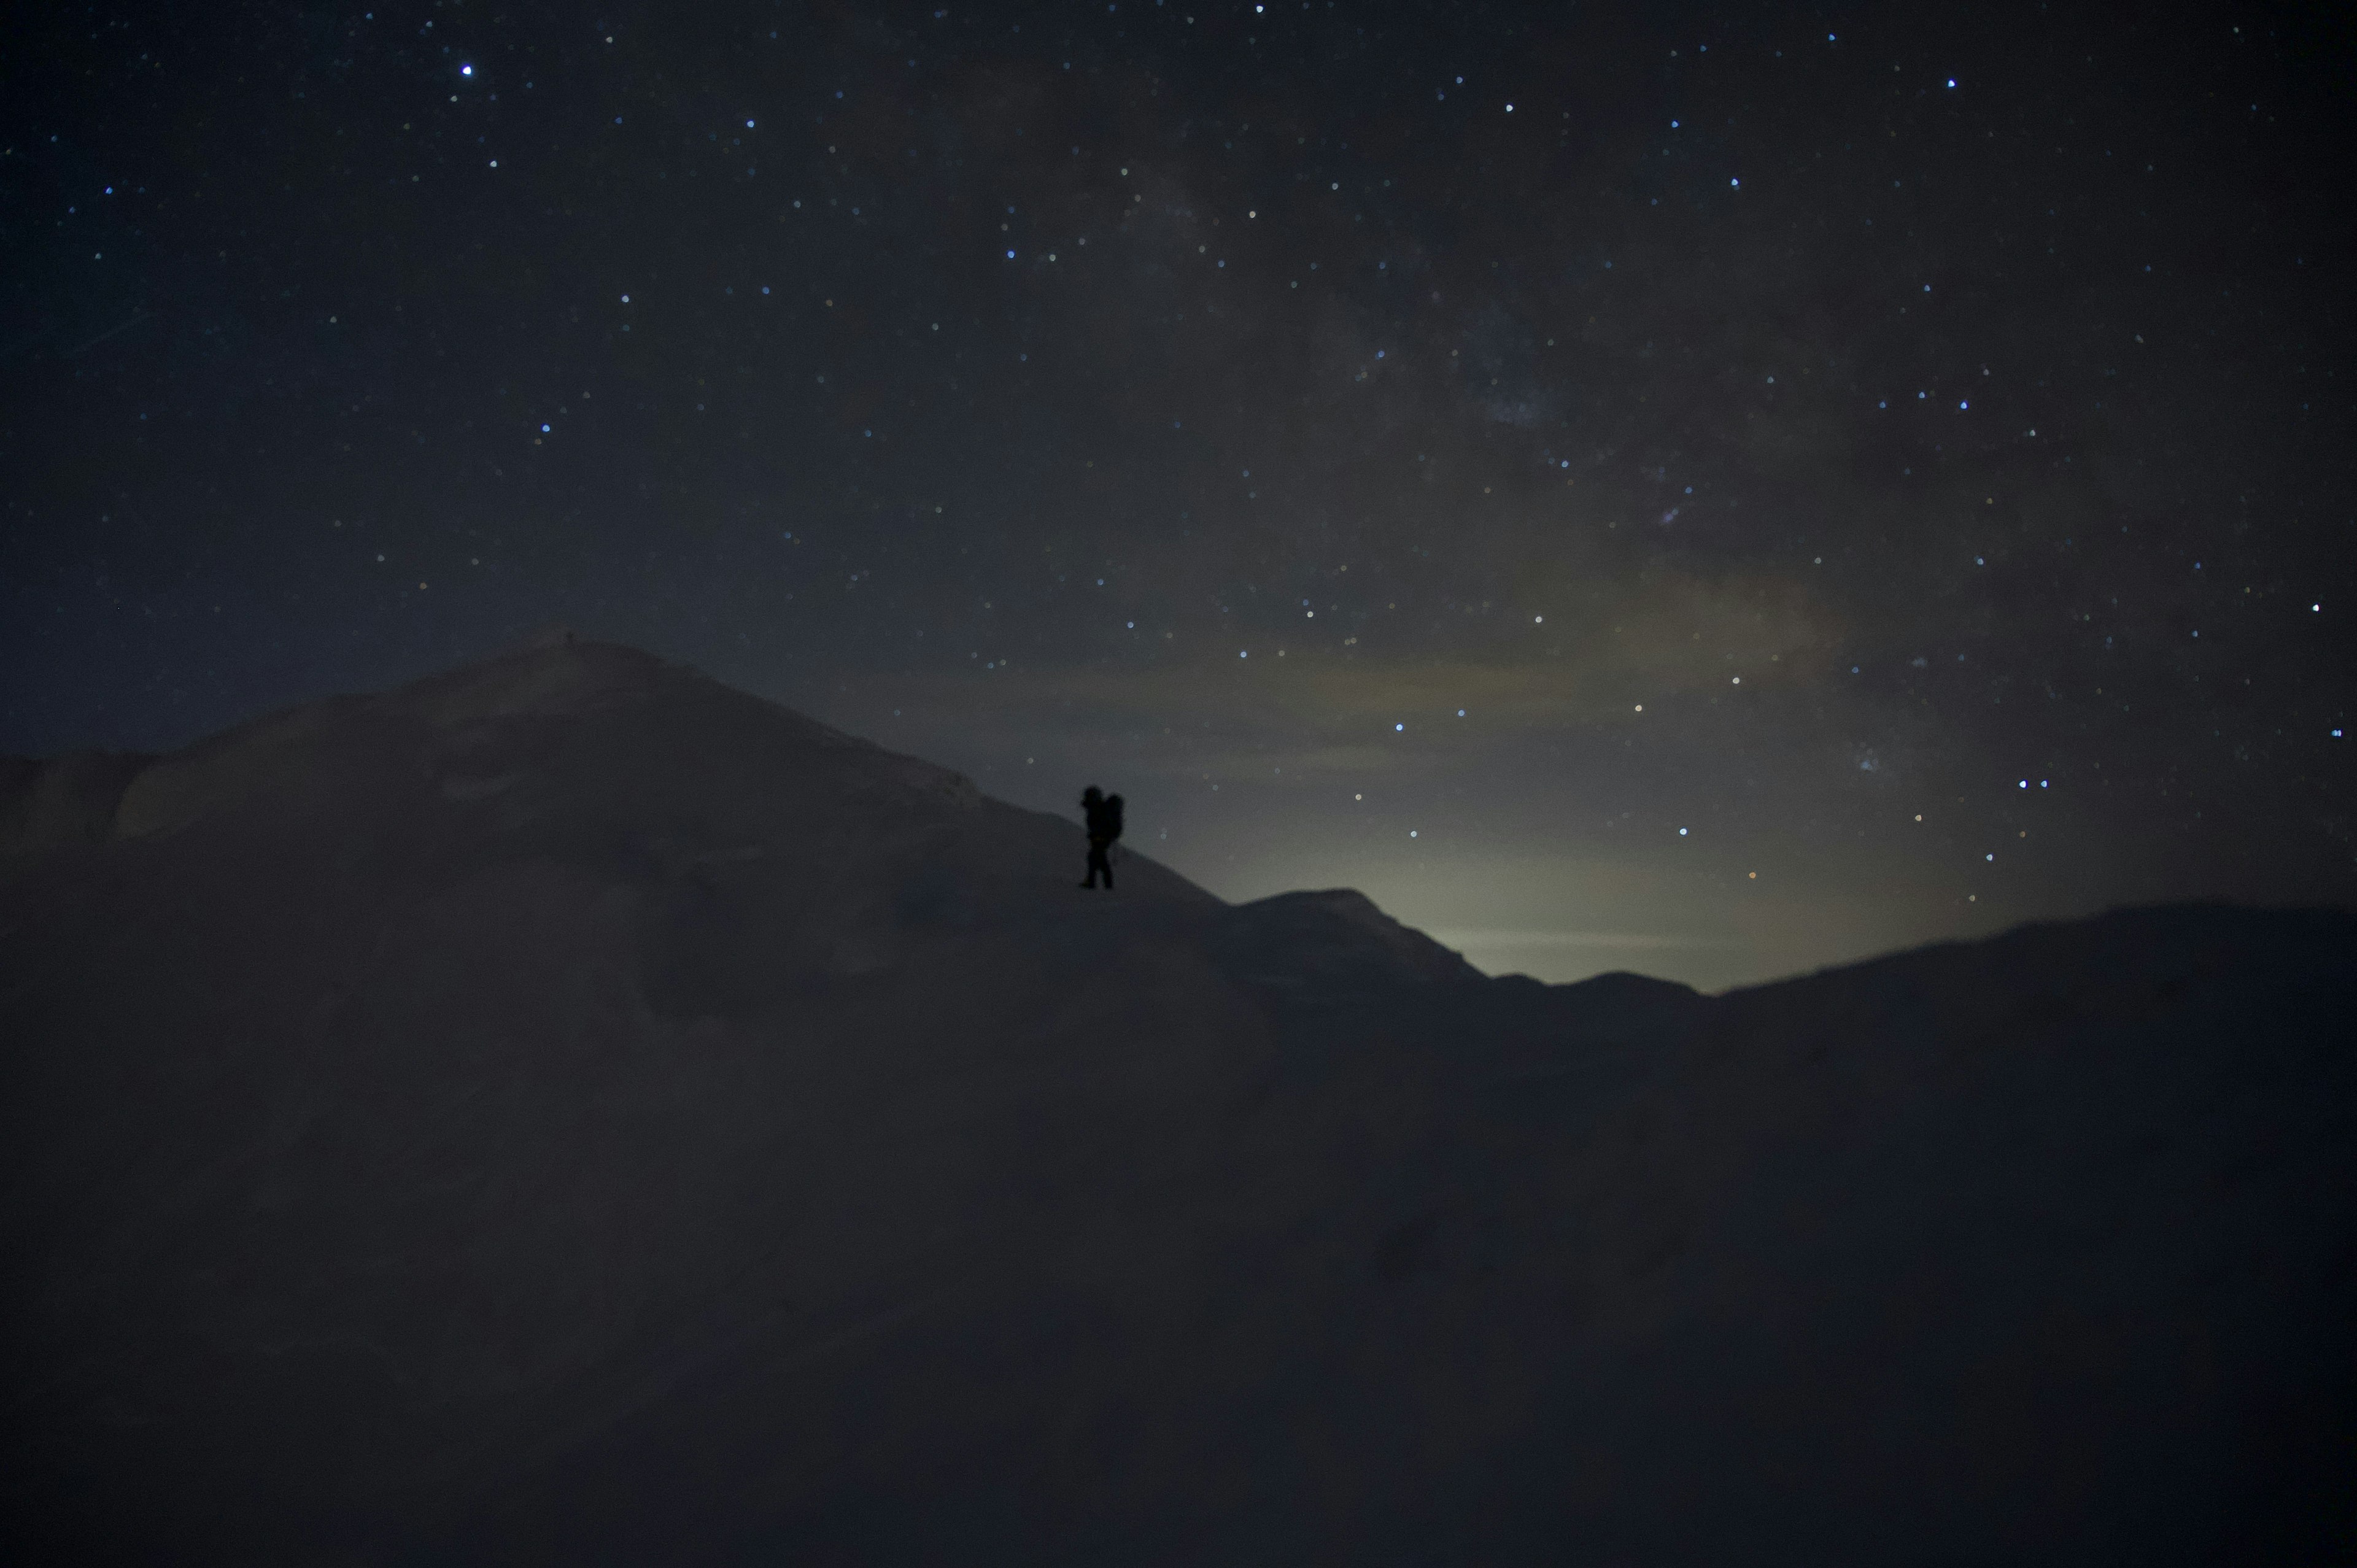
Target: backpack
1113 815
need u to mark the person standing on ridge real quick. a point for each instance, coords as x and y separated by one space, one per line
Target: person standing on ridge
1104 812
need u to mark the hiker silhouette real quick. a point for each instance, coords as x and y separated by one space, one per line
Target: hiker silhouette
1104 812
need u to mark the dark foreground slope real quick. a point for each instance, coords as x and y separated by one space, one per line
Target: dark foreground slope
569 1111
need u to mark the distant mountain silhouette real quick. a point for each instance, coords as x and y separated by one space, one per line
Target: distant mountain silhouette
568 1110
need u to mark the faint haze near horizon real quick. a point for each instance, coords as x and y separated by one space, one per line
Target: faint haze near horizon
1582 874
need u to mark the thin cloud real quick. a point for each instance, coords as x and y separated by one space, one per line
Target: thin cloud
1639 942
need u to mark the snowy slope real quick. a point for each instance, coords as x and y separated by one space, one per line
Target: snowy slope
566 1110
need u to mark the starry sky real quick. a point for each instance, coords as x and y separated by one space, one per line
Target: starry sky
1708 490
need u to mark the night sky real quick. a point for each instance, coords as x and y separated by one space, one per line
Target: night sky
1713 491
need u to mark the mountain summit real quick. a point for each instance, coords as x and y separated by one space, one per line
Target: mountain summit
568 1110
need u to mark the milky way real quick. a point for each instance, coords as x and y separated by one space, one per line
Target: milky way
1709 491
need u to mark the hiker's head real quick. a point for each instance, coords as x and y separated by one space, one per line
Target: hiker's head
1092 795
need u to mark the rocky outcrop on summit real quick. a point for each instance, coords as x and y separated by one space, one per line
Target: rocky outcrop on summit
567 1109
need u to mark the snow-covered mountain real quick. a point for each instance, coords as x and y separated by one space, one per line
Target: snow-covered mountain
568 1111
